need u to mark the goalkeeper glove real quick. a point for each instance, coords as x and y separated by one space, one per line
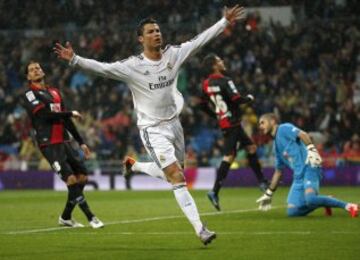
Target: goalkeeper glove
265 200
313 157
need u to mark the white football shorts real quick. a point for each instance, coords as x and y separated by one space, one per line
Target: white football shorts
164 142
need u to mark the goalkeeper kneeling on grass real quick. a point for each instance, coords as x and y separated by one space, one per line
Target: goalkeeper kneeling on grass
293 149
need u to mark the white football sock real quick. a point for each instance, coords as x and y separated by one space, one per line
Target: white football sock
349 205
187 205
150 168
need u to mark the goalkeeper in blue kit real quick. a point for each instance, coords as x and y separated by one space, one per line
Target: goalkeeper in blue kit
293 148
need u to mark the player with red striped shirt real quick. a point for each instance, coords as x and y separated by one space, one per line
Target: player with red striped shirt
224 99
51 123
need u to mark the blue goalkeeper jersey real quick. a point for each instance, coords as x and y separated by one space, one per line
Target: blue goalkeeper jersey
289 150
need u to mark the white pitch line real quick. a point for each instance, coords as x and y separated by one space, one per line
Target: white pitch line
40 230
182 216
225 233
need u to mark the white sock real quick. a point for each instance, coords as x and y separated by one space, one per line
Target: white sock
188 206
349 205
150 168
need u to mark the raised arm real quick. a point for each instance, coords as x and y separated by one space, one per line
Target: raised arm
231 16
115 70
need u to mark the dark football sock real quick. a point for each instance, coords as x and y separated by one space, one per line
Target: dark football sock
84 206
255 166
70 203
76 196
221 175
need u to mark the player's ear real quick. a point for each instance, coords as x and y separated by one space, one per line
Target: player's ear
141 39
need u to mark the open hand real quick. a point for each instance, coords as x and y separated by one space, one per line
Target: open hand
64 52
234 14
86 150
76 115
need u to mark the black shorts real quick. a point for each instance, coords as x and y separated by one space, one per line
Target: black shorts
64 160
234 139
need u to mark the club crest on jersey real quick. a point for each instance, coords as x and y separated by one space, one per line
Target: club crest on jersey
30 96
162 158
55 107
169 66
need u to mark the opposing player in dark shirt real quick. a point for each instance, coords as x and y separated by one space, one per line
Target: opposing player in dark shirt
51 122
223 99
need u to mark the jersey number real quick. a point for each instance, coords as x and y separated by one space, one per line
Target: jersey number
220 105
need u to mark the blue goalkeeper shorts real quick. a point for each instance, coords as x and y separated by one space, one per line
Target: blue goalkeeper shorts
311 179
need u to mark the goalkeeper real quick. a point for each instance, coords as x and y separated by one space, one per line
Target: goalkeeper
293 148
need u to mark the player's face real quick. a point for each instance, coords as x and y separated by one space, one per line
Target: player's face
265 125
219 64
151 37
35 72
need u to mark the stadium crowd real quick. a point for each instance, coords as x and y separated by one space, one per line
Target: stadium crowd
308 73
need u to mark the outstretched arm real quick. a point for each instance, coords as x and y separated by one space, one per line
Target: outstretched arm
265 200
115 70
231 16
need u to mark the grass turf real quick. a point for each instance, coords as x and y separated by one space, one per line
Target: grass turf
149 225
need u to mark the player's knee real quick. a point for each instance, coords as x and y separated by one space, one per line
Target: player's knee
71 180
176 177
82 179
310 197
293 212
174 174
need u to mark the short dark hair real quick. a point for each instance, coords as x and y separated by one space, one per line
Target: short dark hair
208 63
28 64
270 116
141 24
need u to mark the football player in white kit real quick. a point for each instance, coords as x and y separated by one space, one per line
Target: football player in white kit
152 79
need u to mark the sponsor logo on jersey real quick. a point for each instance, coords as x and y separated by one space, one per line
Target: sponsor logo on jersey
154 86
169 66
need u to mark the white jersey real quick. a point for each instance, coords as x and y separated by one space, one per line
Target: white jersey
153 83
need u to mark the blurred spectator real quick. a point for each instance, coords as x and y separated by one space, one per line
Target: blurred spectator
308 72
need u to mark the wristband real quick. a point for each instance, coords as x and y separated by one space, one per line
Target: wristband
269 192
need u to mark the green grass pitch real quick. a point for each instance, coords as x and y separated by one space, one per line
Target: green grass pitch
149 225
